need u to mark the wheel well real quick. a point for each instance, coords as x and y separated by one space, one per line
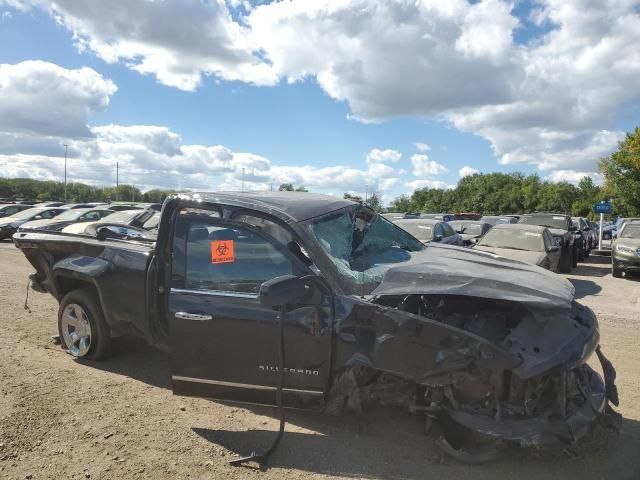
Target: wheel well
68 284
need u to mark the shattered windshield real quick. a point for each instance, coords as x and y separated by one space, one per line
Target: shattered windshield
363 245
513 239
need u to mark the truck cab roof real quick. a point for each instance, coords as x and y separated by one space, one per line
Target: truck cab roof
298 206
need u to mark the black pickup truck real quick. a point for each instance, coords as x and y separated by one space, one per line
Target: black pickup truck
481 344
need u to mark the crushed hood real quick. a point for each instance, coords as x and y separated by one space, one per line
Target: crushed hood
447 270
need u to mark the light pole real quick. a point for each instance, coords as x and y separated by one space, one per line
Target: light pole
66 149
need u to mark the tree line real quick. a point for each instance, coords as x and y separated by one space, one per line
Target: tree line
43 191
488 193
497 193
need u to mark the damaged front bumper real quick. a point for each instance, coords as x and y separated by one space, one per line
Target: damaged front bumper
490 369
584 401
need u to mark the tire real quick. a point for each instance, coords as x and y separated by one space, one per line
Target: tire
80 312
566 261
616 272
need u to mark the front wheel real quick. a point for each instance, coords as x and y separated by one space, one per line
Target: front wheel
83 331
616 272
566 261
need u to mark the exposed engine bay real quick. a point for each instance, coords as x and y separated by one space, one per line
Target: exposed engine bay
540 393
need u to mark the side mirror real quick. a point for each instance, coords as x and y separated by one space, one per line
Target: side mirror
290 290
586 229
554 248
38 217
572 228
437 238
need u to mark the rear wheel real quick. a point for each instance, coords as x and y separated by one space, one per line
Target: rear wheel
83 331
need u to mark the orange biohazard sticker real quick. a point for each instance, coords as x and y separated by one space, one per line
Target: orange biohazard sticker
222 251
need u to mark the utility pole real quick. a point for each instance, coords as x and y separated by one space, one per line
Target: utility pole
66 149
133 192
243 179
117 180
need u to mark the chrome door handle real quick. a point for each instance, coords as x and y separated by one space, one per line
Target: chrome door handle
193 316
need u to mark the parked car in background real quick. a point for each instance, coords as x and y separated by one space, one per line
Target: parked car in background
392 216
625 249
119 206
49 204
71 206
140 219
445 217
526 243
429 230
470 230
561 229
589 233
468 216
10 225
498 219
76 215
11 209
595 230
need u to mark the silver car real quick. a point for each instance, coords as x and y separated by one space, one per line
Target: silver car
427 230
526 243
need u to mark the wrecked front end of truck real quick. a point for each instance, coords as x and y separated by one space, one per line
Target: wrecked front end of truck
493 351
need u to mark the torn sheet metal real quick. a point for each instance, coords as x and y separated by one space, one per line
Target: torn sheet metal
448 270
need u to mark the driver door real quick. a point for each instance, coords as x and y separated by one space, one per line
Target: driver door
224 342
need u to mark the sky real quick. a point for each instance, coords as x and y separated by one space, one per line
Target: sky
333 95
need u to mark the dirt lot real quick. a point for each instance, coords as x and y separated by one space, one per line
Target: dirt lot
118 419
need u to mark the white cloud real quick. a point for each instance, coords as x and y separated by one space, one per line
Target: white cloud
31 145
178 41
425 183
467 171
422 166
378 155
551 102
573 176
422 147
44 100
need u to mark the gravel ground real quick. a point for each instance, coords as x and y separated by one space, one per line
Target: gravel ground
61 418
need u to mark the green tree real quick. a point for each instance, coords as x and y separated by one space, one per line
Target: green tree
355 198
401 204
621 171
374 202
288 187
